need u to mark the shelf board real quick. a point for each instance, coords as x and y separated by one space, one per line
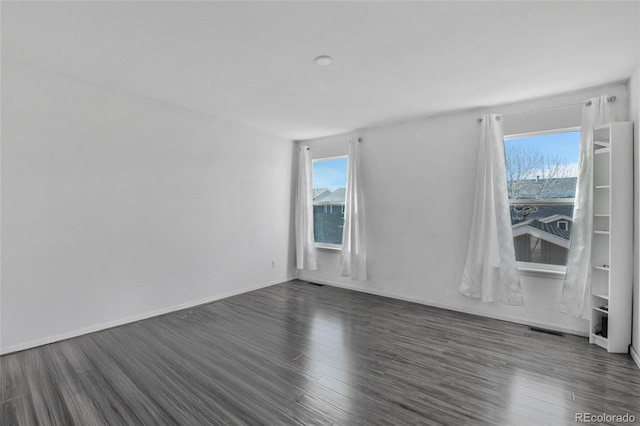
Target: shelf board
602 215
602 150
601 296
605 126
603 187
604 311
603 342
602 268
604 144
602 232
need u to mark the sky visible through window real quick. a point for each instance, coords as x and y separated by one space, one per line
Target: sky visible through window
331 174
563 146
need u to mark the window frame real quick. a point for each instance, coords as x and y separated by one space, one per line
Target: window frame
530 268
321 245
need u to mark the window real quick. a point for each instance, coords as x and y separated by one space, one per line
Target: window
542 172
329 188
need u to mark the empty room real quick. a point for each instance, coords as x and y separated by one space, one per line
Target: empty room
319 213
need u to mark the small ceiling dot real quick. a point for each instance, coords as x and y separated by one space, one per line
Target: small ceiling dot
323 60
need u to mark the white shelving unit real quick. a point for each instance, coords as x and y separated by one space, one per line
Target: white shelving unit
612 244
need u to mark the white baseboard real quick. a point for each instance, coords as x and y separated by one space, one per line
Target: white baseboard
634 355
110 324
463 309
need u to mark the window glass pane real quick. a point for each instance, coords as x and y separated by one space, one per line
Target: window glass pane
329 188
542 169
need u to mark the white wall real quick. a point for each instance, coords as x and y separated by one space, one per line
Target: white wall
115 207
634 115
419 178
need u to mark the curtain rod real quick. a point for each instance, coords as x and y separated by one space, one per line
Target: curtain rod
322 143
587 103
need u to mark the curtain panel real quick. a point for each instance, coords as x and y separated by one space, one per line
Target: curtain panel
305 249
491 271
576 291
353 258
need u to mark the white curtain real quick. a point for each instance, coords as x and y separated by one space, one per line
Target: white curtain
491 271
305 250
576 292
353 259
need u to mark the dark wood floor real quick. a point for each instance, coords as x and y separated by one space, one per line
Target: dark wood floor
296 353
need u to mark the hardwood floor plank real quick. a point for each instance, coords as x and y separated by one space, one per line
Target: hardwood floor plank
12 380
246 379
65 379
168 387
297 354
116 394
17 411
323 408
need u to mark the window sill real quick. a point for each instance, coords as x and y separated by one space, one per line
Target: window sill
328 247
541 270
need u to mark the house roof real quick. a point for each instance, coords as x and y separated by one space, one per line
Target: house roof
543 188
554 230
327 197
544 212
319 192
544 231
556 217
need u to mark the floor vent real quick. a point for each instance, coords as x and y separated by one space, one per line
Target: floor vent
545 331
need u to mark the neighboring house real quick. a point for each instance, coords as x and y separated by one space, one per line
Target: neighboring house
543 240
328 215
543 188
536 189
542 232
559 221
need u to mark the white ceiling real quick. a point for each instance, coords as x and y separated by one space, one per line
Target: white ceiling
252 62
